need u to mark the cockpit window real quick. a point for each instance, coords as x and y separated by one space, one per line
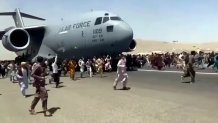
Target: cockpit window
105 19
115 18
98 21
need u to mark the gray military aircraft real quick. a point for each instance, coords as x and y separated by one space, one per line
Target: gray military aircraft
92 34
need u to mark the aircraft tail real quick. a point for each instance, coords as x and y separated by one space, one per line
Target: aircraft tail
17 16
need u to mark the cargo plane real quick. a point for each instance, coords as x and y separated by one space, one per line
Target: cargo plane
94 33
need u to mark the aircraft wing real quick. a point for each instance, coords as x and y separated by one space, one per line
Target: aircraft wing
34 27
32 30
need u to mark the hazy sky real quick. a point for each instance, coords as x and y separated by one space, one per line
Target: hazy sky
163 20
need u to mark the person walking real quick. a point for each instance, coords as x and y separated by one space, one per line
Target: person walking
82 66
11 70
55 72
23 77
189 69
89 67
122 75
72 69
100 64
38 73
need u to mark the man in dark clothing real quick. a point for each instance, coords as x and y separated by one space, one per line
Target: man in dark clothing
189 69
211 59
38 73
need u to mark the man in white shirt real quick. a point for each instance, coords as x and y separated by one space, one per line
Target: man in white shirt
11 67
89 67
23 77
122 75
55 73
82 66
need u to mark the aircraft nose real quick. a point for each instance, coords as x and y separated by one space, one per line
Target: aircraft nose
125 31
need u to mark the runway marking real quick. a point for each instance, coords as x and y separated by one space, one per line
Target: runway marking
167 71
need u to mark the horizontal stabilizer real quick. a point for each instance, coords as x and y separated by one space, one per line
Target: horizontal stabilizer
7 13
31 16
17 16
22 15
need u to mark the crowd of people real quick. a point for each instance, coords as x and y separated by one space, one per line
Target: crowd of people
108 64
184 61
167 60
35 73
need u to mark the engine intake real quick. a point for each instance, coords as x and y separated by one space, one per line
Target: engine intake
16 39
132 45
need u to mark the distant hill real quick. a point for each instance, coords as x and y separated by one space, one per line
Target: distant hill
149 46
143 46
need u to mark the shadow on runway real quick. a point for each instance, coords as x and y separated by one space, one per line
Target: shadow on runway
29 95
51 111
55 83
60 86
64 76
3 78
15 82
121 89
30 83
77 78
186 82
102 76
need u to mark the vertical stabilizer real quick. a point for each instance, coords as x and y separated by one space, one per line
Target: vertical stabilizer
18 18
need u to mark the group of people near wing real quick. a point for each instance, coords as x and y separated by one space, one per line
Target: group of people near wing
25 73
35 73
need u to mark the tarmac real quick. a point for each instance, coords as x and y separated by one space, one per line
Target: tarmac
154 97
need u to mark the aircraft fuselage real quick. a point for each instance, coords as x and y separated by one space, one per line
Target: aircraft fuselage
82 38
92 34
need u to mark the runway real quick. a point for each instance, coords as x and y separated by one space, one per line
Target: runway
154 97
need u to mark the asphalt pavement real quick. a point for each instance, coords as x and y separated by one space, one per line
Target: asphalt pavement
154 97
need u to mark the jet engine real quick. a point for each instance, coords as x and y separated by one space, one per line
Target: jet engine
16 39
132 45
